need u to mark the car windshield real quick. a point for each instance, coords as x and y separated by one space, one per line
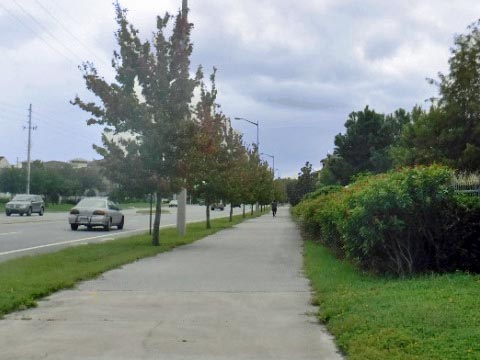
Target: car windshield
22 198
92 203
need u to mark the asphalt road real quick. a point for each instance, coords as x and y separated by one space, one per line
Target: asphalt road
21 235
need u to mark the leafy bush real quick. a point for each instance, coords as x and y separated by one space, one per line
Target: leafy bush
324 190
463 235
403 222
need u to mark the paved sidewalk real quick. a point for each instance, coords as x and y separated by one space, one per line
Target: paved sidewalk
238 294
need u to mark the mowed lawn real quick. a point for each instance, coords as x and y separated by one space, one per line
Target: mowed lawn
427 317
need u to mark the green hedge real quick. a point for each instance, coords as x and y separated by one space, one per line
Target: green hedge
403 222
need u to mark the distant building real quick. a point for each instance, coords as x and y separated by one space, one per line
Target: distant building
4 162
79 163
53 164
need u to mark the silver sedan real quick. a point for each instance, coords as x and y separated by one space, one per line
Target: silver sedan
95 211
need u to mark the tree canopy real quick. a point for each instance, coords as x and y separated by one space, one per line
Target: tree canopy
146 110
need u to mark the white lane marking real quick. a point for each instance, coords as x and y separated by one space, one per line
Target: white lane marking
66 242
10 233
84 239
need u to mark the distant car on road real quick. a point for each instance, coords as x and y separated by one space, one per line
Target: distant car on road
217 206
95 211
173 203
25 204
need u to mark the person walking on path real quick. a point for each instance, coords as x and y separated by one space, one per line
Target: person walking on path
274 207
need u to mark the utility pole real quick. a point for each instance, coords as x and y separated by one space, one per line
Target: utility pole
184 9
29 146
182 197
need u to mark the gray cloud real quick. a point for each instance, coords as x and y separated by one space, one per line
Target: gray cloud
298 67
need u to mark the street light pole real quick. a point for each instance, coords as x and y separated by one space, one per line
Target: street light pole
273 158
258 141
253 123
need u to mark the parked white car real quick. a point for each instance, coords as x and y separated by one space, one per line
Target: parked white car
96 211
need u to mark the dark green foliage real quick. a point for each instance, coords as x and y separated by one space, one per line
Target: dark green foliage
13 180
365 146
449 133
52 181
403 222
463 235
460 99
305 184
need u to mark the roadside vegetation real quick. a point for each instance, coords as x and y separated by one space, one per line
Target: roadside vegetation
431 317
392 223
424 317
400 223
27 279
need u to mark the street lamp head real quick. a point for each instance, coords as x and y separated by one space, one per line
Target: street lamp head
253 123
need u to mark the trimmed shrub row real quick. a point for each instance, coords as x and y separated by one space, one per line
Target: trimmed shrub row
403 222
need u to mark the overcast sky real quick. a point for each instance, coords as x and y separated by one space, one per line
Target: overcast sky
297 67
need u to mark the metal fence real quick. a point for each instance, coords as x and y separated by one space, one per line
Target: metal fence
467 184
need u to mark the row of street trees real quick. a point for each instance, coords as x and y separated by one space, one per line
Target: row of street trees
155 140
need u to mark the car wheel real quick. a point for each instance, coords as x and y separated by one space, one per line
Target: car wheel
7 213
74 227
120 225
108 226
41 211
29 212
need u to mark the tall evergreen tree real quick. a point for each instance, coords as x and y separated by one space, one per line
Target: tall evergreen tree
460 99
365 146
449 132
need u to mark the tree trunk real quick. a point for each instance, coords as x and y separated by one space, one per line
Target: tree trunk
209 226
244 211
251 210
156 223
231 212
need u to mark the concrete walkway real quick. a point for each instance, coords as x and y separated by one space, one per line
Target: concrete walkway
238 294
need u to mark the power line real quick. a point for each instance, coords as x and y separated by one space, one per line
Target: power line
67 30
46 30
67 132
68 15
12 14
52 125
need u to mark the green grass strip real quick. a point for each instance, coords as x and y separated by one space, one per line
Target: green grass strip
428 317
27 279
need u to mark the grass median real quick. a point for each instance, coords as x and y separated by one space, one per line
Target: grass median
427 317
27 279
